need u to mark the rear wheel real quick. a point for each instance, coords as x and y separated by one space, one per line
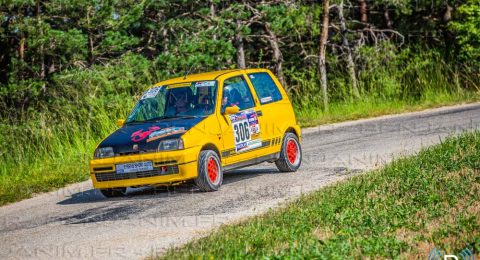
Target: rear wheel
290 155
114 192
210 174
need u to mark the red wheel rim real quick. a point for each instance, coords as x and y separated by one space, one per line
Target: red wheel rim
212 168
292 151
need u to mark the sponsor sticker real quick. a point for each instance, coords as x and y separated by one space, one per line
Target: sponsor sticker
165 132
151 92
238 117
209 83
241 146
266 99
253 123
255 143
245 127
140 135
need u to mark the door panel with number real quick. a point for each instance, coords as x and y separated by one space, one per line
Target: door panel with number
241 132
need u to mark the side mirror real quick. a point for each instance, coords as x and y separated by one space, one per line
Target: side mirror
231 110
120 122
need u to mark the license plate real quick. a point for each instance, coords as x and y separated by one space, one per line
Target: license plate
134 167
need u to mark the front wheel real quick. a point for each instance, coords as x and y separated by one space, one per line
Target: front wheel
210 174
290 155
113 192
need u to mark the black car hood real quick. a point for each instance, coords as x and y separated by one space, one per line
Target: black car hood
144 137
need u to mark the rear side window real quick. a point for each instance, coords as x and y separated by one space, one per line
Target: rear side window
266 89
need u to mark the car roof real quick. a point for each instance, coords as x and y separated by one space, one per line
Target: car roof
212 75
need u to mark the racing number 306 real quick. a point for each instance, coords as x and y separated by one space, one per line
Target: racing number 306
242 131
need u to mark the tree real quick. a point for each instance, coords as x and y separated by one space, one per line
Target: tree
467 27
348 49
322 67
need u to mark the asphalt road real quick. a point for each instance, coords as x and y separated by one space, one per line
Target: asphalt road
77 222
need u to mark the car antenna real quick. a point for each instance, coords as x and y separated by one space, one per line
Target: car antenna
188 72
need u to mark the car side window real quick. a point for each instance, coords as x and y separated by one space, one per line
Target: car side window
265 87
236 93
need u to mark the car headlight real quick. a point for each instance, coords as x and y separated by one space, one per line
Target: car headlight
170 144
104 152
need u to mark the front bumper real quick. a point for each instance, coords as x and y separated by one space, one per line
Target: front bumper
169 167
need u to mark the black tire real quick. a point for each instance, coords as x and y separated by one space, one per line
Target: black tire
284 163
113 192
204 180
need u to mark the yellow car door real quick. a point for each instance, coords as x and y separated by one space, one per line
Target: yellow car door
241 131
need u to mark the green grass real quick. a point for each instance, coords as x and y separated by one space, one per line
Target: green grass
371 107
428 200
24 179
49 156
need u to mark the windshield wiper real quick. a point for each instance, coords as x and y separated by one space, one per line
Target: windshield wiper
144 121
180 116
134 122
156 119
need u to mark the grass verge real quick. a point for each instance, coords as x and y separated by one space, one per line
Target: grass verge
25 178
372 107
404 210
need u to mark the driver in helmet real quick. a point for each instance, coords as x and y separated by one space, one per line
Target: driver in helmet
231 97
181 100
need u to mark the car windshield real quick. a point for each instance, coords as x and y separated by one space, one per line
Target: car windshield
192 99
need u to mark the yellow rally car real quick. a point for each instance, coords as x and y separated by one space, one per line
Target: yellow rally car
196 128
